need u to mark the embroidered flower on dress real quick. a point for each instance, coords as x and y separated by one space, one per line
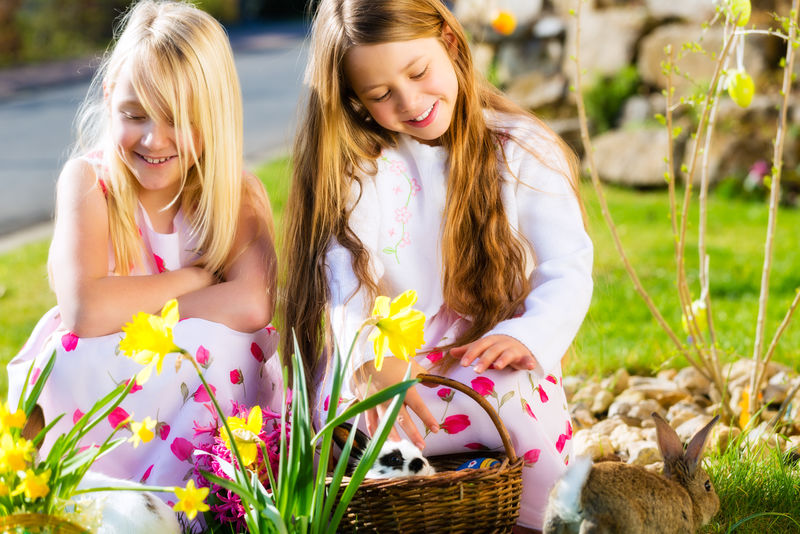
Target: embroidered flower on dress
402 215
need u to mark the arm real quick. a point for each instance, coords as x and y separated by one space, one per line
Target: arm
91 302
245 299
561 285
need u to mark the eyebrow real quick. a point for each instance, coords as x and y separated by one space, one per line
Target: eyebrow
408 66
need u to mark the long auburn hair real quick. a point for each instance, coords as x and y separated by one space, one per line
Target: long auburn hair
484 261
182 70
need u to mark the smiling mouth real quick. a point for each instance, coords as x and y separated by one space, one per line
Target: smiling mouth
424 114
155 161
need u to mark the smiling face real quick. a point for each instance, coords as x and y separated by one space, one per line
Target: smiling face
406 86
148 145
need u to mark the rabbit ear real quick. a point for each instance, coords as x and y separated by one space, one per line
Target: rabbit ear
695 447
342 432
668 441
34 424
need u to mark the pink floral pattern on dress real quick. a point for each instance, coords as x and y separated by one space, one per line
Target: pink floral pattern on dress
182 449
434 357
454 424
202 356
446 394
76 415
531 457
69 341
162 429
407 188
256 351
483 386
159 263
136 387
146 474
236 377
201 393
117 417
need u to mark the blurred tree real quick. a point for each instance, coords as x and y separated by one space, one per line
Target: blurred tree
10 39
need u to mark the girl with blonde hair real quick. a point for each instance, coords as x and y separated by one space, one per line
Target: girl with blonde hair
411 172
155 206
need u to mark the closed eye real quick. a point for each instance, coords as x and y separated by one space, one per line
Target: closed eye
383 97
132 116
421 74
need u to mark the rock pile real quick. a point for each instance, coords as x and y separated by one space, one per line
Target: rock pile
612 416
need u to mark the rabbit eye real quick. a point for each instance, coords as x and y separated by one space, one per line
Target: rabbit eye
392 459
708 485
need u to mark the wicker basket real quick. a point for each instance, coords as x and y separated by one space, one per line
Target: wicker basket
469 500
37 524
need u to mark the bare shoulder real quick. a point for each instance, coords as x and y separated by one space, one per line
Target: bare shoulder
78 179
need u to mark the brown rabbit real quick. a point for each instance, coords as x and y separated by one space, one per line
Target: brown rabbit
614 497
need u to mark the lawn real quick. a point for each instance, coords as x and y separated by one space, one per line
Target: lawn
619 330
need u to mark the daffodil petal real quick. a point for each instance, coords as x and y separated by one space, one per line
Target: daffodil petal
170 313
381 308
403 302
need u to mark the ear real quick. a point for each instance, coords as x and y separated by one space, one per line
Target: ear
668 441
449 39
695 448
342 432
34 424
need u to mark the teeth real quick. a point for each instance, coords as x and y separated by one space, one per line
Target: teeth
425 114
154 161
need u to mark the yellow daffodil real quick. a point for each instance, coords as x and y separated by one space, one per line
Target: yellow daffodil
9 419
142 432
245 433
504 22
15 453
398 327
148 338
33 485
744 404
191 500
741 88
740 11
4 489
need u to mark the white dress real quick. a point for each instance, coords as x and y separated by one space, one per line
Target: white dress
398 218
239 367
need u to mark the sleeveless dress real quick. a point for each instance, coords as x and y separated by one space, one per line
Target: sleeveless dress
239 367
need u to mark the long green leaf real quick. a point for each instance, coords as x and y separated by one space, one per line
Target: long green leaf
33 398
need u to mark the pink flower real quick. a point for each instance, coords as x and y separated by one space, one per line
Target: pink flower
77 414
397 190
406 240
35 375
202 355
569 430
562 440
434 357
162 429
117 417
182 448
146 474
402 215
327 403
136 387
69 341
482 386
446 394
256 351
236 377
551 378
201 394
527 408
397 166
454 424
159 263
415 186
270 329
531 457
542 395
477 446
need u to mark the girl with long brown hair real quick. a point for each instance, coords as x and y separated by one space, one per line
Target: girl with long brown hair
411 172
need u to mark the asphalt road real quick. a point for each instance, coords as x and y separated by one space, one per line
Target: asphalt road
36 118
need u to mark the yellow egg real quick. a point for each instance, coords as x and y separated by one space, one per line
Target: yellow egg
740 9
504 23
741 88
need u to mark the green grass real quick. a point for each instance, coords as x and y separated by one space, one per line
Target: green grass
619 331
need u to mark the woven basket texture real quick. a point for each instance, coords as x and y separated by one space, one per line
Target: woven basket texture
37 524
469 500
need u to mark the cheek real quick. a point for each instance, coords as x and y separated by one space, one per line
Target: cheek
382 113
123 135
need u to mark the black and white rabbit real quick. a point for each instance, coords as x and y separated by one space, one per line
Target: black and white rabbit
395 459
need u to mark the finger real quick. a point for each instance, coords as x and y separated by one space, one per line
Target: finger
489 357
473 350
526 363
407 424
417 405
372 420
393 434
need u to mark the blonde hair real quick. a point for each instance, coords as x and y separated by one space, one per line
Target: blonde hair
484 261
182 70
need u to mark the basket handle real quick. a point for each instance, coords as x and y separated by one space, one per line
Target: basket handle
482 402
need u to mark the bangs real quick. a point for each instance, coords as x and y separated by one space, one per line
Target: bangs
163 85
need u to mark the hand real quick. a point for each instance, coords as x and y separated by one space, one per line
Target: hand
497 350
368 381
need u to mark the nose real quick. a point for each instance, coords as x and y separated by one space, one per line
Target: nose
156 135
406 100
